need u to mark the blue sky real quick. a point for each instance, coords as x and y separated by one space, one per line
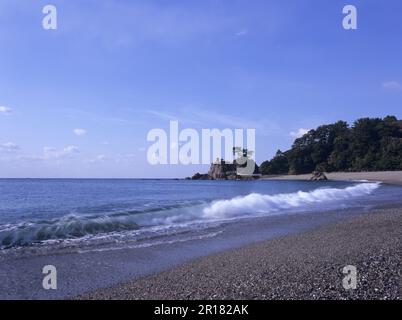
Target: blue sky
117 69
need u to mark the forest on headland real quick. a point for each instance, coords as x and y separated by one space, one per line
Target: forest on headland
369 144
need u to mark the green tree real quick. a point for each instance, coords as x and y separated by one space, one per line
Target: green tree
370 144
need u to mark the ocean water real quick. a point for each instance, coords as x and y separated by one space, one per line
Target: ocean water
98 214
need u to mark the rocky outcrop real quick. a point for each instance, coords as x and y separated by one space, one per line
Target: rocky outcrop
199 176
319 176
222 171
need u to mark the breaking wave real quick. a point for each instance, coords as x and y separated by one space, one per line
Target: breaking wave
258 203
70 226
165 217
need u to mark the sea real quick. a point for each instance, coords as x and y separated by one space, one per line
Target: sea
101 232
102 214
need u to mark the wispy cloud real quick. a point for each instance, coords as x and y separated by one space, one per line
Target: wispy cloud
207 118
139 22
128 158
214 117
80 132
97 159
242 33
5 110
163 115
392 86
117 158
48 153
95 117
299 133
53 153
9 147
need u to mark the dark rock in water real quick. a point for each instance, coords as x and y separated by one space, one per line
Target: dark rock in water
319 176
199 176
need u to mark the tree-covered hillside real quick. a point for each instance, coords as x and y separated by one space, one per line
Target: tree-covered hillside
368 145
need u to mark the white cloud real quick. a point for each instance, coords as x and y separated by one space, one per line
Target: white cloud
10 152
99 158
71 149
129 158
242 33
9 147
80 132
53 153
5 110
117 158
392 85
299 133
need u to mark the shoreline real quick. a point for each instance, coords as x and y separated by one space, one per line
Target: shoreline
387 177
86 268
81 271
306 265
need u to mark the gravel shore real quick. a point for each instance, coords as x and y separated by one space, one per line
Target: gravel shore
390 177
302 266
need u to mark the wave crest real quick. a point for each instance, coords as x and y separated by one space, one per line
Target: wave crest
70 226
259 203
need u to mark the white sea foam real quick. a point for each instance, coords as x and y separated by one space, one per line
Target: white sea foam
259 203
153 243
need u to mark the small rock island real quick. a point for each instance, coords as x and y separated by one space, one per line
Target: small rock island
226 170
